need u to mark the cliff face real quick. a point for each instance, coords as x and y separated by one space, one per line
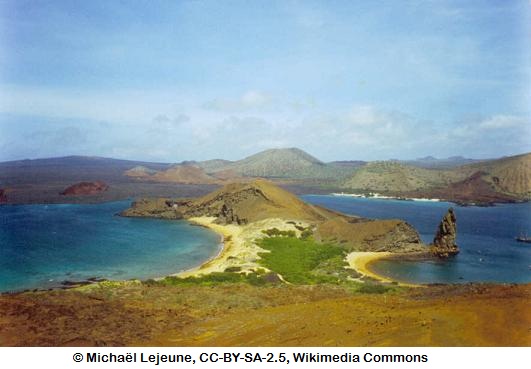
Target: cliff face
85 188
444 241
391 235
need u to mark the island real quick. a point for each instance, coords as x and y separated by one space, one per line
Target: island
85 188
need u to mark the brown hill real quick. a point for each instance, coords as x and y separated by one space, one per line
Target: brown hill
229 175
392 176
139 172
474 189
184 174
85 188
284 163
243 203
499 180
511 175
239 203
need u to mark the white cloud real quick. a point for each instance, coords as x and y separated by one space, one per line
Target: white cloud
504 121
365 116
250 100
492 136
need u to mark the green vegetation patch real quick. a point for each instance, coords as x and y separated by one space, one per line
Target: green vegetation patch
258 278
304 261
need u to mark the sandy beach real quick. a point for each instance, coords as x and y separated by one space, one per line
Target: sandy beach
230 245
360 261
239 247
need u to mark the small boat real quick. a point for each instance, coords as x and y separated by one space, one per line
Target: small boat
523 239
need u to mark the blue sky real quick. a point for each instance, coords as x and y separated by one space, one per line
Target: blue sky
181 80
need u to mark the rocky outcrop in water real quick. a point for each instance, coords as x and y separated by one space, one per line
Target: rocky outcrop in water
85 188
444 241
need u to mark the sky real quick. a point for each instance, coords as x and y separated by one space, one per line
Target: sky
195 80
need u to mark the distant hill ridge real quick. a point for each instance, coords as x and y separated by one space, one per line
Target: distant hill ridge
502 179
505 179
281 163
430 162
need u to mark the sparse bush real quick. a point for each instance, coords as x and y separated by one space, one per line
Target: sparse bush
233 269
275 232
306 234
373 288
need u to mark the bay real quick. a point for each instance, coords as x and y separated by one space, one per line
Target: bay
44 245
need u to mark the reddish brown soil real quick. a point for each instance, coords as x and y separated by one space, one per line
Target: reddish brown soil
242 315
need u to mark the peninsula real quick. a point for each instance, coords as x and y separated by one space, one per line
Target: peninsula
245 213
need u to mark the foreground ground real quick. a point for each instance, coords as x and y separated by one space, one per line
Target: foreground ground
274 315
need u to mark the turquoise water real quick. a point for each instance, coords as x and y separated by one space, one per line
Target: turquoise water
486 237
43 245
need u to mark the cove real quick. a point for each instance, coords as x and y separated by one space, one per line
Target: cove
485 236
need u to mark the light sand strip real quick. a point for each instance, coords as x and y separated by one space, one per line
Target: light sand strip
360 261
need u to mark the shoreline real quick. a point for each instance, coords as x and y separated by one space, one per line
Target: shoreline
226 243
237 250
377 196
456 202
361 261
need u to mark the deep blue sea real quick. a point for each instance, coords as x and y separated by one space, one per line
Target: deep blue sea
485 235
43 245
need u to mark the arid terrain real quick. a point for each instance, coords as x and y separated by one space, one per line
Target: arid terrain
132 314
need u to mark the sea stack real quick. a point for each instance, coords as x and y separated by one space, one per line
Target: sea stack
444 241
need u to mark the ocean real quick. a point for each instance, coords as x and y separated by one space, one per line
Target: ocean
44 245
485 236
